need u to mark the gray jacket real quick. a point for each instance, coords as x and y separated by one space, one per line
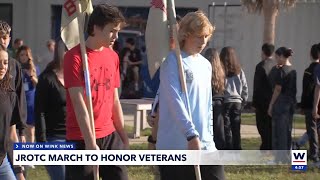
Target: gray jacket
236 89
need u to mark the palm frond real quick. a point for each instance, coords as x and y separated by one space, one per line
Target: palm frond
256 6
253 6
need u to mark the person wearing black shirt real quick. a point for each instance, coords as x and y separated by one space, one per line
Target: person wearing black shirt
133 59
308 88
262 93
19 115
50 106
7 104
281 107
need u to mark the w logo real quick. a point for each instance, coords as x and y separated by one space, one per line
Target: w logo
299 160
299 157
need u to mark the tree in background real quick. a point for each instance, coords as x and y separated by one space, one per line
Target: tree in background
270 9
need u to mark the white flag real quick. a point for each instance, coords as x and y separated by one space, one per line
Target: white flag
69 22
157 35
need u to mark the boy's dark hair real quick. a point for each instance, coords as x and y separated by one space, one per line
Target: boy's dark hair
102 15
130 41
4 27
267 49
314 51
318 48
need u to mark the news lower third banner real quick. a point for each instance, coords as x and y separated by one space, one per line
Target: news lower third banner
65 154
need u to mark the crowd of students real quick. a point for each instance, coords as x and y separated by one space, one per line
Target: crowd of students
51 106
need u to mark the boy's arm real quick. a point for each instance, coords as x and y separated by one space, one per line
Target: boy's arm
316 101
40 107
19 115
118 122
256 84
171 93
82 116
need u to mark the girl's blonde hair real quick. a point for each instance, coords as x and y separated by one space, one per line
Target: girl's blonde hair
218 75
194 23
30 61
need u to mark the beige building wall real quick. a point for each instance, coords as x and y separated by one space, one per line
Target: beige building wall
32 18
298 28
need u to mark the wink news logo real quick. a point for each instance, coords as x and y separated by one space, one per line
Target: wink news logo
299 159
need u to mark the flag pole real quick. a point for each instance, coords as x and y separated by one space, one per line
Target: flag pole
87 81
174 30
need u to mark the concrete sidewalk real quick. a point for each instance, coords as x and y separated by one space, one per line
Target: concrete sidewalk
247 131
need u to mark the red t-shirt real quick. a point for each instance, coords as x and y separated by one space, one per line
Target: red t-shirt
104 78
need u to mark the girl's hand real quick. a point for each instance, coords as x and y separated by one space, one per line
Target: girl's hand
29 73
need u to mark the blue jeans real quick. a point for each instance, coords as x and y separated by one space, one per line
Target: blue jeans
6 172
56 172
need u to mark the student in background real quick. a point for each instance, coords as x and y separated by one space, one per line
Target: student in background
47 56
308 88
262 93
235 96
315 109
17 43
50 107
133 59
281 107
30 80
20 111
7 105
218 85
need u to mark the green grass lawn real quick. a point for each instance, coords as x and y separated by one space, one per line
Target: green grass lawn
231 172
246 119
144 132
250 119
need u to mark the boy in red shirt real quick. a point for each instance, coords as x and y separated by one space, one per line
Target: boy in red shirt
103 27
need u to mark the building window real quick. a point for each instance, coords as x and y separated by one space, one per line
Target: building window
6 13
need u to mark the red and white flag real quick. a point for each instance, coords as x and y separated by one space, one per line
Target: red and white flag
157 35
69 22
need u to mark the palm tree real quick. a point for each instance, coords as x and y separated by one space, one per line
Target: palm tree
270 9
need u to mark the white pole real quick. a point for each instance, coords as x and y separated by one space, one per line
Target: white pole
87 81
174 29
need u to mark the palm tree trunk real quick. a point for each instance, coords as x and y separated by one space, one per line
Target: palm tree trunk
270 12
